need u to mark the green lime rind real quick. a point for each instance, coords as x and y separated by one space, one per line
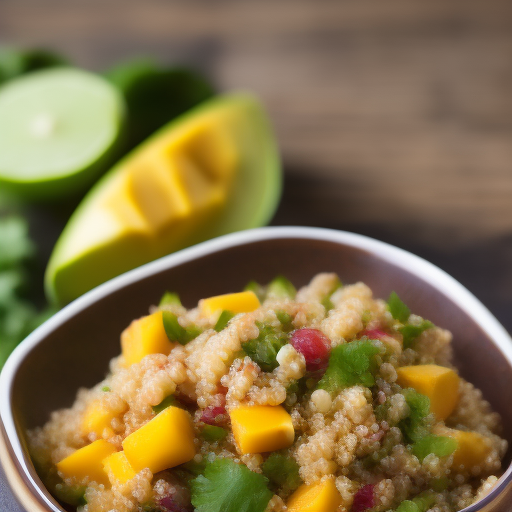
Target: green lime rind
253 200
67 158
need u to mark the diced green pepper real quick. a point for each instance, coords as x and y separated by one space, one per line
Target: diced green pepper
408 506
166 402
170 299
223 320
281 288
175 332
213 433
285 319
440 446
259 291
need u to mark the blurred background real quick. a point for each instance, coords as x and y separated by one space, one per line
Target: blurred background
394 118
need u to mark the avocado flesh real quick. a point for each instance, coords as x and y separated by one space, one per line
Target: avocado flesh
210 172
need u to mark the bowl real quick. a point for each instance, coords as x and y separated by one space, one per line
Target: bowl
73 348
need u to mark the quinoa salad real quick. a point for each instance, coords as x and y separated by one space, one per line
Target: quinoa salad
322 399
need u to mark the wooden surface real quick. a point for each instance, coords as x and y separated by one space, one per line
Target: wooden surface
394 117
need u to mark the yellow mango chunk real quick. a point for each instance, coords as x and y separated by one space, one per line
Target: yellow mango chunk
143 337
242 302
262 428
472 450
87 462
118 468
440 384
166 441
97 418
319 497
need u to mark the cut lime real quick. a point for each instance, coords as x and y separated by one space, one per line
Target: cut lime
59 129
212 171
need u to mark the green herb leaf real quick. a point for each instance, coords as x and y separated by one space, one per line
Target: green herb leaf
14 242
411 332
105 389
170 299
350 364
213 433
438 445
175 332
326 301
263 349
223 320
281 288
229 487
282 471
72 495
166 402
285 319
398 309
416 425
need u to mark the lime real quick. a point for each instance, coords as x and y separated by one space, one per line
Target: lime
213 171
59 129
155 94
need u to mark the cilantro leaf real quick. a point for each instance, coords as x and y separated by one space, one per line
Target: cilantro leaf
350 364
397 308
283 471
263 349
438 445
229 487
213 433
411 332
281 288
416 425
14 242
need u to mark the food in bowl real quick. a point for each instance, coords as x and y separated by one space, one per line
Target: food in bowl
271 399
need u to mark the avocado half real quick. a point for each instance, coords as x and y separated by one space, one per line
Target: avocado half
213 171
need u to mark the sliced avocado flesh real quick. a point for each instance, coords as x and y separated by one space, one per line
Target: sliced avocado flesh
210 172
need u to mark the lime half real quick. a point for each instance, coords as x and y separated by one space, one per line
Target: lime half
59 129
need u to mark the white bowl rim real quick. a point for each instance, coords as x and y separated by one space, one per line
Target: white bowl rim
420 267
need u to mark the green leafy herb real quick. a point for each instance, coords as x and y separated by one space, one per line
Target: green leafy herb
416 425
398 309
350 364
281 288
170 299
175 332
285 319
229 487
213 433
223 320
282 471
193 467
411 332
438 445
166 402
263 349
105 389
256 288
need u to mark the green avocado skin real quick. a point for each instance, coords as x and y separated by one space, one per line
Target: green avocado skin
253 199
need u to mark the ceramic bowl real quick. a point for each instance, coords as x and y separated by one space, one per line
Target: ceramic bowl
73 348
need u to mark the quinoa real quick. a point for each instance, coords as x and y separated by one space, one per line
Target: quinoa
359 431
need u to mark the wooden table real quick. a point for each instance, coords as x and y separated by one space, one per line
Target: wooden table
394 116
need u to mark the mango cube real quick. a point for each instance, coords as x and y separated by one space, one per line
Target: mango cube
319 497
164 442
242 302
472 450
87 462
118 468
97 418
143 337
440 384
262 428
